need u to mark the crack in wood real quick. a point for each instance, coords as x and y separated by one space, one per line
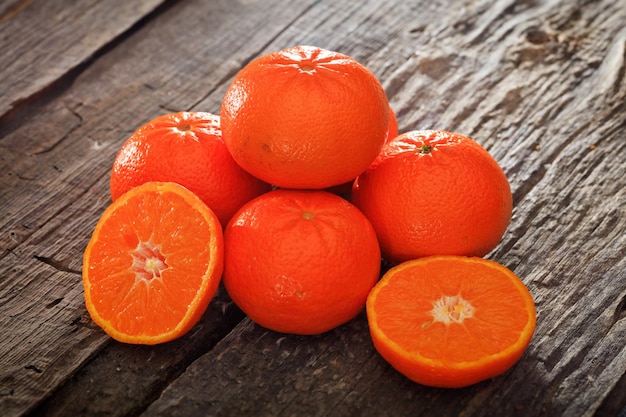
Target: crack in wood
63 265
65 136
33 368
83 321
21 109
54 302
615 403
12 118
7 393
620 311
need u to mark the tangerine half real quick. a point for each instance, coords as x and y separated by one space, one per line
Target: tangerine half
450 321
153 263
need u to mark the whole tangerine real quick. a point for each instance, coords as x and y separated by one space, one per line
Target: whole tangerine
305 117
185 148
300 261
434 193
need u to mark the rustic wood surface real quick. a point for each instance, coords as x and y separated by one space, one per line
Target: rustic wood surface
540 83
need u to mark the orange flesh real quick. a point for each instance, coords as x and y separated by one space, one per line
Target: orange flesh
491 329
150 263
462 313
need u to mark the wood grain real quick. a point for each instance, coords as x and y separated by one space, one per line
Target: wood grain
540 83
67 35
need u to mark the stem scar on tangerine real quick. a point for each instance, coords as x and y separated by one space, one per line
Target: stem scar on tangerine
307 68
425 149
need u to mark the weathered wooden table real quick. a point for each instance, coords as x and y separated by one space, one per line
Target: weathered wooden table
540 83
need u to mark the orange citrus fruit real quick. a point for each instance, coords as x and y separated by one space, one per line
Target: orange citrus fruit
300 261
153 264
450 321
186 148
434 193
305 117
392 131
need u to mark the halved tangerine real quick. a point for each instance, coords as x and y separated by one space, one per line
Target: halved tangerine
153 264
450 321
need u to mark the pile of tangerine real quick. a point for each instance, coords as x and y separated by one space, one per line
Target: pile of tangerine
291 198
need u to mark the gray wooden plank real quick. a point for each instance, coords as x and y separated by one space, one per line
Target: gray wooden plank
67 35
337 373
56 158
122 379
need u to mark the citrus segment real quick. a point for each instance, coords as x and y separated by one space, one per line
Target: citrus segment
450 321
153 264
304 117
300 262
